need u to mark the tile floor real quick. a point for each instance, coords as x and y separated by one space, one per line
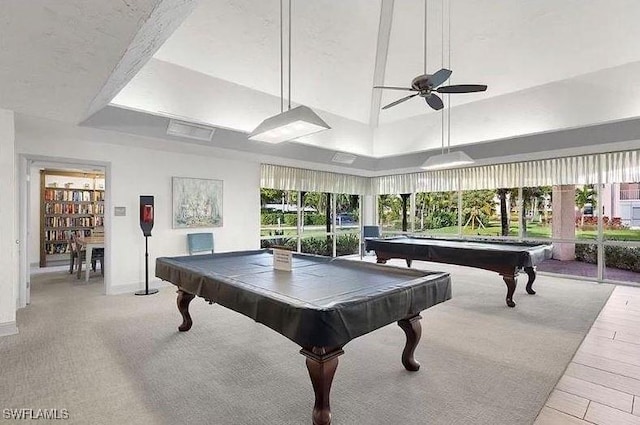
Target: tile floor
602 383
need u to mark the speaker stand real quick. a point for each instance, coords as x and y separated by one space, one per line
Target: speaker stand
146 291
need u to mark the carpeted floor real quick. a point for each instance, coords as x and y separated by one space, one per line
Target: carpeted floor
120 359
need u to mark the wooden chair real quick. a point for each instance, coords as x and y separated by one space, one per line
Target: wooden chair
80 256
73 253
200 242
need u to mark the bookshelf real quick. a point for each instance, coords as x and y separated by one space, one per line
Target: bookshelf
70 202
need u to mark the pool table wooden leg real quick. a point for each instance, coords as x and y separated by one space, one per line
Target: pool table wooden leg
413 330
531 272
322 363
510 280
184 298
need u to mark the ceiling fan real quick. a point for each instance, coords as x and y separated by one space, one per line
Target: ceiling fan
426 85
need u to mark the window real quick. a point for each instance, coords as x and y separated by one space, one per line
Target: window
347 224
537 212
278 218
436 213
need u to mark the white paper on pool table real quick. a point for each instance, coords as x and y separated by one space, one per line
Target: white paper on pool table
282 259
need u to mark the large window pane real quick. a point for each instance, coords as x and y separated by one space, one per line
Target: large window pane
347 224
621 222
481 211
622 263
390 213
278 213
586 211
537 212
621 212
316 237
317 244
316 213
436 213
572 259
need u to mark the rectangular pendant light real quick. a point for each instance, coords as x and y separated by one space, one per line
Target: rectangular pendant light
288 125
447 160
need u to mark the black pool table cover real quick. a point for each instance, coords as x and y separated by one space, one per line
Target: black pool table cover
324 302
464 252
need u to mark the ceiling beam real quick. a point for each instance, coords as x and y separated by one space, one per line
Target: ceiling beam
164 19
384 33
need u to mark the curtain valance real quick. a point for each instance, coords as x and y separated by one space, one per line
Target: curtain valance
620 167
290 178
615 167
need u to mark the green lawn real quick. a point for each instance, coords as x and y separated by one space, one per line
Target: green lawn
535 230
308 231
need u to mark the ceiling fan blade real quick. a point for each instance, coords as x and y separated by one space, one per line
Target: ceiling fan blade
394 88
440 77
462 88
399 101
434 101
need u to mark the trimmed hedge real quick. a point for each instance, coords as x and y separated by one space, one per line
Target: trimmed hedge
619 257
290 219
346 244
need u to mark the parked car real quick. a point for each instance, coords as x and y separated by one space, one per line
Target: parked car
345 219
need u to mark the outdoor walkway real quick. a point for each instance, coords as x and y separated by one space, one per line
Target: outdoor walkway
582 269
602 383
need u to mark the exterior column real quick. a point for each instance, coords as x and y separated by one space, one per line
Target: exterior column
405 198
563 222
368 206
8 225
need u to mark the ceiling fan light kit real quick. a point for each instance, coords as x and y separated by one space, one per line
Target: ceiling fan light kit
292 124
447 160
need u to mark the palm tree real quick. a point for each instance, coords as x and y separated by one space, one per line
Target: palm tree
504 217
585 195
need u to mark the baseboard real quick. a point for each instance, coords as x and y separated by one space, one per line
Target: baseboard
8 328
133 287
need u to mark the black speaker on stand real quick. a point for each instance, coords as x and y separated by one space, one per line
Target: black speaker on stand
146 224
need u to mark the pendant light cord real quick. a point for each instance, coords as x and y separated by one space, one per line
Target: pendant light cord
442 116
448 94
425 36
289 54
281 60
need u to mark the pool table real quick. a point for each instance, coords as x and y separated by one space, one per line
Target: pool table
504 257
321 304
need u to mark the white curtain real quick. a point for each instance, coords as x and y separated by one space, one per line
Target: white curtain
616 167
491 176
437 181
567 170
620 167
290 178
394 184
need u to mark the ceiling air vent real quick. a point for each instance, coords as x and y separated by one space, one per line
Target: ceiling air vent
190 131
343 158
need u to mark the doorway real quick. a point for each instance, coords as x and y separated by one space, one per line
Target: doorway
63 221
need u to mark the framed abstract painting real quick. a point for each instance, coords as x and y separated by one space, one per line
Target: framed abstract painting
196 202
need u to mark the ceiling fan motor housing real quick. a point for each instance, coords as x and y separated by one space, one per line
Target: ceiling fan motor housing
422 82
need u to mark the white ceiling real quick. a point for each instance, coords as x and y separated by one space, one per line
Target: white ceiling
549 65
57 57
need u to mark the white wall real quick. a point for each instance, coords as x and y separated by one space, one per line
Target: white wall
143 166
8 224
34 217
